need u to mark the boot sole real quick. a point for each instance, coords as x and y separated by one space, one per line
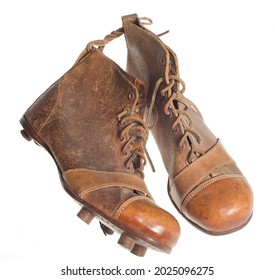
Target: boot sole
130 239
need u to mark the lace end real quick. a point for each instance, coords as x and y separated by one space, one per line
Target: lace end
145 21
163 33
150 161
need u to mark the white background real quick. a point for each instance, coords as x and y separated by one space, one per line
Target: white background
226 51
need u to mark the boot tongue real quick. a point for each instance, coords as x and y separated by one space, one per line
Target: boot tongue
139 110
171 66
173 63
173 69
132 17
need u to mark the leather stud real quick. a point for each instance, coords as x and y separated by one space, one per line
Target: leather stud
85 215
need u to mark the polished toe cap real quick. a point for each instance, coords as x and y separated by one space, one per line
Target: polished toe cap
222 207
152 222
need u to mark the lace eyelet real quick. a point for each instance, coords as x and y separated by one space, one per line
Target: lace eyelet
122 139
176 130
169 113
137 110
141 95
128 168
131 95
128 111
162 60
124 154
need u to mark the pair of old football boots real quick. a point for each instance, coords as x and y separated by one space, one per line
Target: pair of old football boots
95 120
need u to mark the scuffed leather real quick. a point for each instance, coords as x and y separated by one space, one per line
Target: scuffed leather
166 230
214 163
84 181
77 120
218 205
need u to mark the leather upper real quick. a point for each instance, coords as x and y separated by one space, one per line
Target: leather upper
199 168
91 122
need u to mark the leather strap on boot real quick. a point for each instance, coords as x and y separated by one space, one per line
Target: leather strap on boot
215 165
84 181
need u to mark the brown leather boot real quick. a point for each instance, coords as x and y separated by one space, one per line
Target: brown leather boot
204 183
90 121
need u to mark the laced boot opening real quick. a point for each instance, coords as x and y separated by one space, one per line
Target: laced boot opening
134 133
177 106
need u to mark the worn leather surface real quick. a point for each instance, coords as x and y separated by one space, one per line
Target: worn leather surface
205 184
87 119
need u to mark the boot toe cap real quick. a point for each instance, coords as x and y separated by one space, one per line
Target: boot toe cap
222 207
152 222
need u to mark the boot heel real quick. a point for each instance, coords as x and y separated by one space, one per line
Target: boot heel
25 135
85 215
29 134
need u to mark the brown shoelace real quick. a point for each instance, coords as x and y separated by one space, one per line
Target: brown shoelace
133 129
183 122
108 38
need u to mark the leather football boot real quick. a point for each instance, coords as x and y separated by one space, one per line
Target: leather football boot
90 122
204 182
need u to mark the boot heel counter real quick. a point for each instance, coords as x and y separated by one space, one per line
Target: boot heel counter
40 110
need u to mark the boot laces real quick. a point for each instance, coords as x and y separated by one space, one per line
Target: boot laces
108 38
115 34
183 121
134 129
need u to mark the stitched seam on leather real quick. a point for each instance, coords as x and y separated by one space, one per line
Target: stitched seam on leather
112 184
121 208
98 171
215 147
203 176
207 183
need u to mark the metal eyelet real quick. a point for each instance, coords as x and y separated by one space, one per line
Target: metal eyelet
182 146
169 113
128 168
128 111
122 139
141 94
162 60
123 154
131 95
121 124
